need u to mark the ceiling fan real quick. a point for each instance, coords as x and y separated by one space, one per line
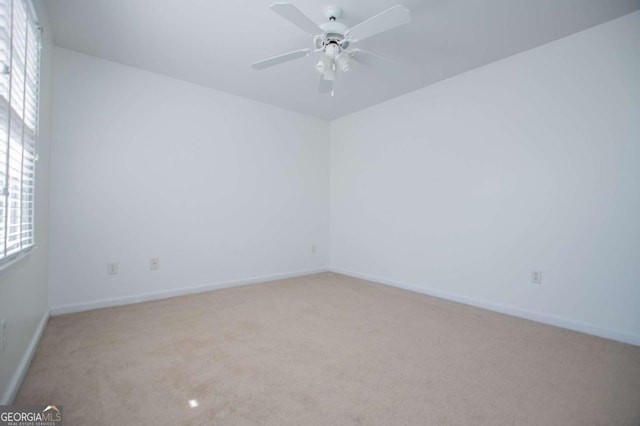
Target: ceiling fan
334 39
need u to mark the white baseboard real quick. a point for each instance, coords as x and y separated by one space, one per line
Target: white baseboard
18 376
582 327
127 300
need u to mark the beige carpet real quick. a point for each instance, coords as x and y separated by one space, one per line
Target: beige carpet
327 350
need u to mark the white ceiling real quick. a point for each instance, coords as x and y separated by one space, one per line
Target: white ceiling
213 43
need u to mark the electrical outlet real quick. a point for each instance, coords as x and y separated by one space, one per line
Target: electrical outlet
536 277
313 248
3 334
112 268
154 263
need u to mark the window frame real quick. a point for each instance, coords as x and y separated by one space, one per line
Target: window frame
31 26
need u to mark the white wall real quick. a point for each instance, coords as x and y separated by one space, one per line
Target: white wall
23 285
459 189
220 188
531 163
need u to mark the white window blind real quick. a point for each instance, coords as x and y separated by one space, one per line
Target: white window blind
19 82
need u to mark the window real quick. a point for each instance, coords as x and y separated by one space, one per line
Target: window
19 80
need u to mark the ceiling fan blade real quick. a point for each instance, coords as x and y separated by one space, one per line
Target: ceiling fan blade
371 59
325 86
281 58
297 18
384 21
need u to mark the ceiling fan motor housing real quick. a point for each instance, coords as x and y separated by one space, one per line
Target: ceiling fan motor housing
334 32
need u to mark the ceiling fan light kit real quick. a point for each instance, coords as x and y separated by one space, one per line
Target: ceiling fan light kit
333 39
